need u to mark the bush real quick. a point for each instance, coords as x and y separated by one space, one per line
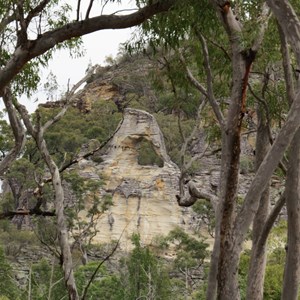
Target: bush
8 288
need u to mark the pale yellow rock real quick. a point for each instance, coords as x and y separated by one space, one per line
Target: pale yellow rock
143 196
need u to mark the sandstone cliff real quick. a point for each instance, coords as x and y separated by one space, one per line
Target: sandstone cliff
143 195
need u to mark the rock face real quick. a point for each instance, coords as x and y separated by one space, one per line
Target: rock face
143 195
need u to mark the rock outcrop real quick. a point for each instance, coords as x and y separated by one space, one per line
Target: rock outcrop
143 195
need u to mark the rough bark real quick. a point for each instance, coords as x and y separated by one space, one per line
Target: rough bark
227 251
290 25
292 190
227 268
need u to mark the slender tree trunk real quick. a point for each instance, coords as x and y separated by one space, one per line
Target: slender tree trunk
66 256
259 251
292 266
227 277
61 222
212 283
29 283
227 270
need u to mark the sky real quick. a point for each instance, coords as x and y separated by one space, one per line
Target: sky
98 46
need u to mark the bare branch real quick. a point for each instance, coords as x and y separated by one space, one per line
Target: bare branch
22 32
266 107
193 132
103 6
78 10
67 264
30 212
69 98
7 19
267 168
84 293
271 219
208 94
89 9
198 156
194 194
209 79
35 11
192 79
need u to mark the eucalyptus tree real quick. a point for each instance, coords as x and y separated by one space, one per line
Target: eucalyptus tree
30 31
232 32
290 33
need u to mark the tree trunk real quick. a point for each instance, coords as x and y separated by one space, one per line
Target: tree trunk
227 277
66 256
227 271
292 189
259 252
61 222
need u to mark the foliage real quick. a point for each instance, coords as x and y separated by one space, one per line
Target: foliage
65 138
24 172
47 279
190 252
147 154
173 140
204 212
54 16
86 192
13 240
273 281
8 287
246 165
243 272
104 286
6 138
274 267
146 276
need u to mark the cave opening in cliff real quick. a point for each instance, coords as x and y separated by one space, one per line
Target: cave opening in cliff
147 155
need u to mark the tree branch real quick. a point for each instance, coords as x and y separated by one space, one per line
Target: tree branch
84 293
35 11
271 219
89 9
69 98
209 79
266 170
17 129
48 40
30 212
195 193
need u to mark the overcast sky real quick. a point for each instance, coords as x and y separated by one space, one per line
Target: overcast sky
97 47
